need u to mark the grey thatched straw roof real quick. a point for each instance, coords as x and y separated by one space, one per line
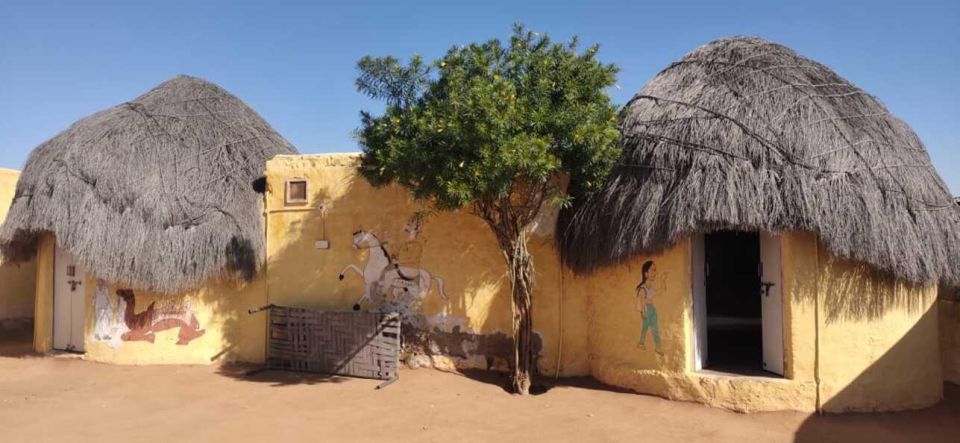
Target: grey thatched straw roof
745 134
156 193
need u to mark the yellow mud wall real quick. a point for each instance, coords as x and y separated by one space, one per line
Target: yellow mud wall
597 315
950 339
17 280
43 307
615 326
871 341
615 323
878 340
229 333
456 247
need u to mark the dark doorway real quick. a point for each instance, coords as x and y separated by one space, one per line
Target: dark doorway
734 331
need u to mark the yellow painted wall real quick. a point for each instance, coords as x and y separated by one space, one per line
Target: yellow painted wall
877 337
17 280
950 339
893 364
221 308
870 342
43 314
878 340
615 327
457 247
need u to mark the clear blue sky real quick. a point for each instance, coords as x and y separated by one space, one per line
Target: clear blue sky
294 61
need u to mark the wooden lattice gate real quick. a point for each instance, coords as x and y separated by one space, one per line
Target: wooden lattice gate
359 344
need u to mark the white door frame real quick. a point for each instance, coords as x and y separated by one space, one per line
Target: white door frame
698 293
771 301
69 303
771 313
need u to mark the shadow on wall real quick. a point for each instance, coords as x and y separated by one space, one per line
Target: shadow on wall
905 375
849 290
856 292
937 423
16 338
878 340
949 293
231 316
950 339
17 289
469 324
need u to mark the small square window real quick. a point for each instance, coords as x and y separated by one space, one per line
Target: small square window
296 192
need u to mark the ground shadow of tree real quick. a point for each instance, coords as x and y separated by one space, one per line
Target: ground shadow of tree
542 384
256 373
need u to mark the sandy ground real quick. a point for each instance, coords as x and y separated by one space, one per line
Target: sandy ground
66 399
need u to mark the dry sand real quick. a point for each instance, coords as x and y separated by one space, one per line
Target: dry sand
66 399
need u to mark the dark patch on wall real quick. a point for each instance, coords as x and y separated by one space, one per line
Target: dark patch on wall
463 345
241 258
950 293
259 185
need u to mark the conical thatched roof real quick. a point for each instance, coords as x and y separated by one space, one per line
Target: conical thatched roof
745 134
156 193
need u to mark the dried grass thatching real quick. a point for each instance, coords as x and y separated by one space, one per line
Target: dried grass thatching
156 193
745 134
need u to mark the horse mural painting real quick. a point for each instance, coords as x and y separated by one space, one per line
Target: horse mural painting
384 275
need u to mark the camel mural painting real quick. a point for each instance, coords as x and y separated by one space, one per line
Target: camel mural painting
119 322
396 279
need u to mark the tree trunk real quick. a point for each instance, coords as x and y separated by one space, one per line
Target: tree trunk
521 283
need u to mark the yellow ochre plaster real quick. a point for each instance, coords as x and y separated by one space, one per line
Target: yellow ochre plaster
853 339
17 280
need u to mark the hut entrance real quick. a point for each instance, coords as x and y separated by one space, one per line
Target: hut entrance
69 305
737 303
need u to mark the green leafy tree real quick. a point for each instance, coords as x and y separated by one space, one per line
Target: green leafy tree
496 128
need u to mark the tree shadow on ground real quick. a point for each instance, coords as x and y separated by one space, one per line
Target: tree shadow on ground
541 384
274 377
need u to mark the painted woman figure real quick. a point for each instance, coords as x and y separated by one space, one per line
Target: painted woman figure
109 326
103 310
648 311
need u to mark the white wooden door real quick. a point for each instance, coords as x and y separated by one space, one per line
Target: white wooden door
771 302
698 267
69 307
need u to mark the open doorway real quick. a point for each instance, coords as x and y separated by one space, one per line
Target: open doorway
737 304
733 301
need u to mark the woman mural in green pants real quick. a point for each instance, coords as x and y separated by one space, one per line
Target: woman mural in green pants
648 311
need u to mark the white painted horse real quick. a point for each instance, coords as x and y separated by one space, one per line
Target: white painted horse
381 276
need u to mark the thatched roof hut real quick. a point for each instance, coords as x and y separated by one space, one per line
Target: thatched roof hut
156 193
745 134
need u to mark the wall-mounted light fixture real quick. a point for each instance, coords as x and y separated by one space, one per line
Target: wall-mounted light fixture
323 243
